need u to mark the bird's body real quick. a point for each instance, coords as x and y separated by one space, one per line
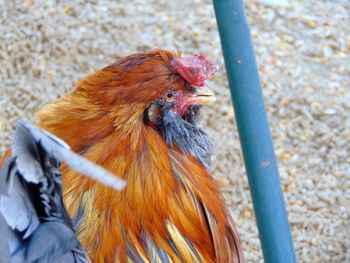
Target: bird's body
135 118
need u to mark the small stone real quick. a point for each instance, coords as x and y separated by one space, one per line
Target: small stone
247 213
281 3
27 3
68 10
2 124
285 156
292 203
330 111
312 24
222 182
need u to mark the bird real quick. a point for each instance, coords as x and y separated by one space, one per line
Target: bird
34 223
138 118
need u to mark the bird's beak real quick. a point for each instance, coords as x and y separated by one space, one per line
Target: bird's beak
203 95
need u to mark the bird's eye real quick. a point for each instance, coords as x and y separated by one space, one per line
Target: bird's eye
169 96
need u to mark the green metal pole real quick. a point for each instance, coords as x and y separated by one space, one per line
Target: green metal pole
255 136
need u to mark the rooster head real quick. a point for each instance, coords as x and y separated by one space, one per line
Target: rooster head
158 76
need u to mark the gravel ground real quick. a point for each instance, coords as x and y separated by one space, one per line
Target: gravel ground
303 53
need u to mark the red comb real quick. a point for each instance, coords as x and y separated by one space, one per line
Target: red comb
195 69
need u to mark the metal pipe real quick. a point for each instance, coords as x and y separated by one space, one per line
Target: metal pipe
254 131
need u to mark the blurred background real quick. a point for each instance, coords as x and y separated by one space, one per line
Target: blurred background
303 55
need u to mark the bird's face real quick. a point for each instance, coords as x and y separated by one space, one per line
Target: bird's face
194 71
180 102
184 100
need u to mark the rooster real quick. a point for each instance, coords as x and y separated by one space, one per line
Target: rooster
138 118
34 224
